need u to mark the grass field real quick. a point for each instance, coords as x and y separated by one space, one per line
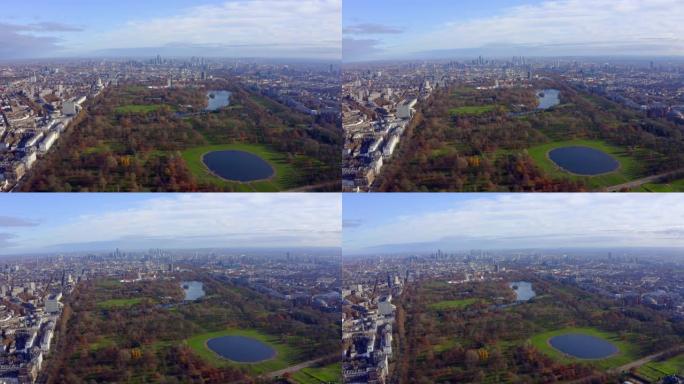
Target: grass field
140 108
452 304
629 169
285 355
329 374
120 303
472 110
672 186
284 178
655 370
103 342
627 351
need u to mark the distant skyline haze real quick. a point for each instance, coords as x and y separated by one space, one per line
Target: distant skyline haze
424 222
93 221
400 29
212 28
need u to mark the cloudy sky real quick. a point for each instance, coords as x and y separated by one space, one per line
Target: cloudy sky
91 221
391 29
231 28
461 221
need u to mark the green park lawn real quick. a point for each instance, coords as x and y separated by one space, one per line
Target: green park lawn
140 108
671 186
452 304
655 370
120 303
328 374
627 352
629 169
285 355
475 110
284 178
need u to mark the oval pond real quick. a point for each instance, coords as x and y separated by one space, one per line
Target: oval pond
241 349
238 165
583 160
583 346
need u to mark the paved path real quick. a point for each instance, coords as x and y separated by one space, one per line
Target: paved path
644 360
645 180
314 187
295 368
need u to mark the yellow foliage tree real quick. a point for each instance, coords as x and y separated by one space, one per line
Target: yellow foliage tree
136 353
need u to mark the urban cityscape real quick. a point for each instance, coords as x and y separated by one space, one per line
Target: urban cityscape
474 97
213 109
171 314
566 303
342 192
385 104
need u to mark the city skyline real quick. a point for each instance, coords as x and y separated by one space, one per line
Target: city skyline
542 28
94 222
212 28
403 223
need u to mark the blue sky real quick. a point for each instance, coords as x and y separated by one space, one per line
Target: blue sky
395 29
456 221
254 28
92 221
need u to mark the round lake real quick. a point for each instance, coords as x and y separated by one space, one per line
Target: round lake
583 160
583 346
238 165
241 349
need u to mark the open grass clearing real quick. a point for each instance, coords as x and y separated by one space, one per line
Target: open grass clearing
322 375
120 303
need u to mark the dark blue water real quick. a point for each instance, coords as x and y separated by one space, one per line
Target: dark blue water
524 290
548 98
241 349
193 290
238 165
583 346
583 160
217 100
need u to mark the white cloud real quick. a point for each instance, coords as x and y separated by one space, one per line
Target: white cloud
568 26
258 27
241 220
538 220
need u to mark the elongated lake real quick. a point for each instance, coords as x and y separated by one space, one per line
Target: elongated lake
583 160
193 290
217 100
241 349
238 165
548 98
583 346
523 290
